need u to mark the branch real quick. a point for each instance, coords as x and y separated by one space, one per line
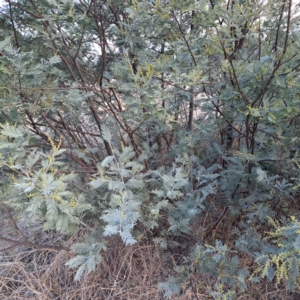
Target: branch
12 219
34 245
185 40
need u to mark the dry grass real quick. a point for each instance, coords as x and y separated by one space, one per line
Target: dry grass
125 273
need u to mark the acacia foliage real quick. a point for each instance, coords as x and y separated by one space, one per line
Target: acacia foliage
148 119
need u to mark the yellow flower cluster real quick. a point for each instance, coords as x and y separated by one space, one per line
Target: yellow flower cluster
54 147
13 178
31 195
56 198
73 203
43 178
10 162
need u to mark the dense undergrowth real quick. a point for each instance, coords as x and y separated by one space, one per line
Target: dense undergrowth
149 149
